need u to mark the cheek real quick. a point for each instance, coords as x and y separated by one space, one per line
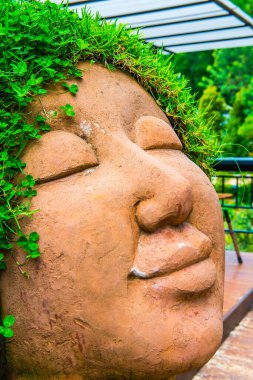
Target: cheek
84 236
206 214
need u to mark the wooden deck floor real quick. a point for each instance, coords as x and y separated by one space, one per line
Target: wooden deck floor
238 278
234 359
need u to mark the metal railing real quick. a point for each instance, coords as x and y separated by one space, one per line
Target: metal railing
241 186
239 189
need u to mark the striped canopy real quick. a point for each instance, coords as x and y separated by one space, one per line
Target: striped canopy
179 25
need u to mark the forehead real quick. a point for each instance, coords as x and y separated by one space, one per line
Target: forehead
111 98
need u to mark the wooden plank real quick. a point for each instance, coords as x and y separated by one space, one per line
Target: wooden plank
233 317
234 359
225 196
238 278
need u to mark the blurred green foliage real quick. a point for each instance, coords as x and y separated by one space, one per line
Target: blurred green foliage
241 220
215 105
223 83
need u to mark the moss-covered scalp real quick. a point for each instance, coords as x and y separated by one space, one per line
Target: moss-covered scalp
45 40
42 42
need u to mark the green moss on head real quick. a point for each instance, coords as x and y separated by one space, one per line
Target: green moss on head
43 42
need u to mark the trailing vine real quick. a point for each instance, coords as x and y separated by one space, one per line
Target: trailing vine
42 43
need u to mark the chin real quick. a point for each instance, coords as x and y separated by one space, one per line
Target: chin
149 360
197 349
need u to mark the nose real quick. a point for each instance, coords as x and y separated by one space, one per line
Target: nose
164 196
171 201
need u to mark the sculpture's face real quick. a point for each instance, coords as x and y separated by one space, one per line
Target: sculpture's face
130 281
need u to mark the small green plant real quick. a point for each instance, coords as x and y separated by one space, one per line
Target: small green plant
73 88
68 109
30 244
6 330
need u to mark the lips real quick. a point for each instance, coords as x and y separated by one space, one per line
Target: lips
176 259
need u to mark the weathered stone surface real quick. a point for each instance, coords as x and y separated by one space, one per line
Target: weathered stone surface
72 156
130 281
147 137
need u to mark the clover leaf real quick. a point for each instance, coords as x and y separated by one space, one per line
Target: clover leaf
68 109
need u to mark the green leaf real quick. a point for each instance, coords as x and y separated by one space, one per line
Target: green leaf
73 89
68 109
20 69
46 127
110 67
7 186
34 237
33 81
1 256
29 181
22 241
8 321
4 156
8 333
6 245
41 91
82 44
33 246
40 119
2 265
2 329
30 193
20 91
34 254
65 85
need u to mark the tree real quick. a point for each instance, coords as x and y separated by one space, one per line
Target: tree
240 123
193 66
215 107
246 132
245 5
224 77
231 70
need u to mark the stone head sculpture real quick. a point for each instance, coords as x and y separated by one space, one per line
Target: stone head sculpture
130 282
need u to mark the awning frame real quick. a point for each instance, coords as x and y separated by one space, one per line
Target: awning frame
205 28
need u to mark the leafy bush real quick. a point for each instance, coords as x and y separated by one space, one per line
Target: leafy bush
215 106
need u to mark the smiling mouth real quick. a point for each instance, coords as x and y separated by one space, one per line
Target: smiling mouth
176 260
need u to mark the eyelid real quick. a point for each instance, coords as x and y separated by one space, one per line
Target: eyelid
58 154
154 133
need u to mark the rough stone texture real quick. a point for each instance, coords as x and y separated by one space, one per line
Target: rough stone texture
130 281
72 156
163 137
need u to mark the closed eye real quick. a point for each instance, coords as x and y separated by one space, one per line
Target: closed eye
154 133
56 155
